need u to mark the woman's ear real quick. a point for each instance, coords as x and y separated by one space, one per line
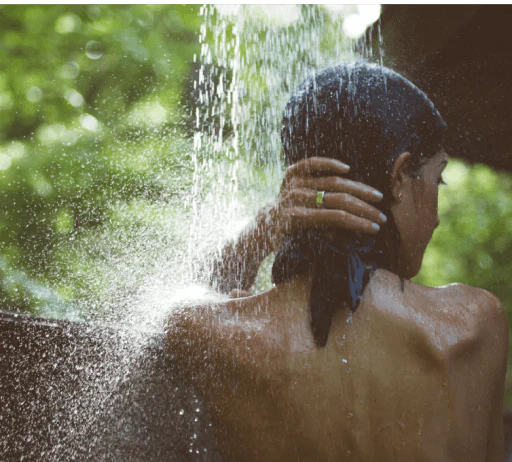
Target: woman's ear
399 175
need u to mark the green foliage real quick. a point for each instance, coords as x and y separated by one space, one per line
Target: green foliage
89 117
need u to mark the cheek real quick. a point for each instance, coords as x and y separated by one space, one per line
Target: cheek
426 201
432 208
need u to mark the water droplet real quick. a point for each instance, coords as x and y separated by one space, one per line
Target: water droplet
182 412
344 361
93 50
34 94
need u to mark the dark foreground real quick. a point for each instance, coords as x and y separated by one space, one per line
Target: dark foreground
71 391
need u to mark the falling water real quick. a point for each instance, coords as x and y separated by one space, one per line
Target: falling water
152 256
252 58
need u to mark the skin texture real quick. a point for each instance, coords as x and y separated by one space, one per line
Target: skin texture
347 206
413 375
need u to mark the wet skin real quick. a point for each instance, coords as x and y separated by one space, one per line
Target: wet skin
348 205
416 375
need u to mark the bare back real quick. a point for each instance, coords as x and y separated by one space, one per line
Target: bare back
410 376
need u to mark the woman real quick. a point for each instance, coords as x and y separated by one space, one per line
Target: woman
346 359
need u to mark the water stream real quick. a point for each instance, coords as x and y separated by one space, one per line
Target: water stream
252 57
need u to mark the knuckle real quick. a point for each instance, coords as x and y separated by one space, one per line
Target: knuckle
301 183
293 182
284 199
292 213
293 219
292 197
333 182
289 173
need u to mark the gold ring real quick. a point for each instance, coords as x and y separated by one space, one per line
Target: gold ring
320 199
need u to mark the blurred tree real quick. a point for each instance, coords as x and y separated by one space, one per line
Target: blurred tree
86 92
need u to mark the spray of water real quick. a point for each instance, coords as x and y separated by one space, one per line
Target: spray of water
252 58
150 255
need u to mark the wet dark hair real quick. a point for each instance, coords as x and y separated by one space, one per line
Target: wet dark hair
366 116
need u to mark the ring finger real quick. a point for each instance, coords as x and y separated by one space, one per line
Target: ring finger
337 201
340 185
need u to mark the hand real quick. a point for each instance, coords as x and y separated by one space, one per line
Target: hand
346 203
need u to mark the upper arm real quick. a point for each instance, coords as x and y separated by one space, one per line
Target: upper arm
216 342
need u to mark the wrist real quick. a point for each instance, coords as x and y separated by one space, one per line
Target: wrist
268 226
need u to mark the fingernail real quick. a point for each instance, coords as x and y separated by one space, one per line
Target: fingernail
375 226
383 217
378 194
344 165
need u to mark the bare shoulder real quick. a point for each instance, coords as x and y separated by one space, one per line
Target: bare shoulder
480 302
478 319
455 315
195 324
454 296
245 313
231 332
482 297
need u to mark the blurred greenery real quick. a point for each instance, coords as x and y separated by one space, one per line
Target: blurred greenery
95 138
89 118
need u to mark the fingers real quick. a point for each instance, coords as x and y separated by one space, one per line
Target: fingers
300 217
339 185
316 166
336 201
346 203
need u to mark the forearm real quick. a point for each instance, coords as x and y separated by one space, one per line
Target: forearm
240 260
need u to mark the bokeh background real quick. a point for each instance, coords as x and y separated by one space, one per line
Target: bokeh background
98 151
